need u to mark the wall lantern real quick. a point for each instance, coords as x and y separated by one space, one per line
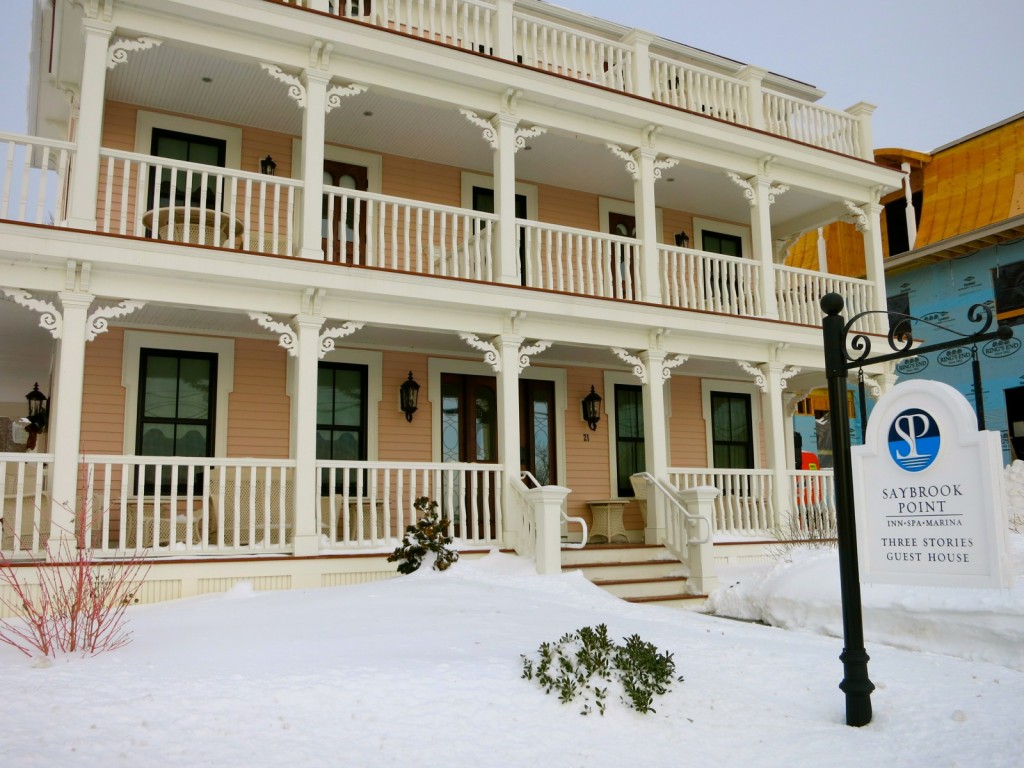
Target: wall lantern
38 409
682 240
268 166
408 396
592 408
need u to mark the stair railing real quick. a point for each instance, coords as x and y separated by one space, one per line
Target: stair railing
528 481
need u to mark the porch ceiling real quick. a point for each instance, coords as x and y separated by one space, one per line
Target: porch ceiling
240 92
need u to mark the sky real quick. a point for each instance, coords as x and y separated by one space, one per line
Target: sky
937 70
427 670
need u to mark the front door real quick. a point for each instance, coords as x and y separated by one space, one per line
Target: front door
469 434
483 201
343 228
623 225
537 430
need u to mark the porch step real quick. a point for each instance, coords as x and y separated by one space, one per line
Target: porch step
635 573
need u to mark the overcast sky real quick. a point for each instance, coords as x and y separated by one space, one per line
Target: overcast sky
936 69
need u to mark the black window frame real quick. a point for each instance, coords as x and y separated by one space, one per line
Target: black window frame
360 431
630 453
748 443
181 197
1008 290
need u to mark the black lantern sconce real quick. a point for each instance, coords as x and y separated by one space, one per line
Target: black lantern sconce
268 166
592 408
682 240
408 397
38 409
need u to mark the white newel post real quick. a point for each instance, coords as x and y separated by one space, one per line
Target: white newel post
315 82
911 214
754 77
547 503
504 157
703 578
504 30
862 111
303 437
89 128
641 42
508 425
655 439
775 435
66 427
647 224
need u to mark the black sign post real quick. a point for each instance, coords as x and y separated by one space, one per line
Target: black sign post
838 363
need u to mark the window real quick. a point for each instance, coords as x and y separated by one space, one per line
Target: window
176 403
896 222
720 242
175 145
629 436
732 434
1008 282
341 412
899 303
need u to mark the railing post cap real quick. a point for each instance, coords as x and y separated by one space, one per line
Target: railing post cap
861 108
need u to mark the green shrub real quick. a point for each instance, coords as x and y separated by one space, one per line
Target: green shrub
577 664
427 535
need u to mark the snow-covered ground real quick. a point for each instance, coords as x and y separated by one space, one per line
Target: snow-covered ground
426 670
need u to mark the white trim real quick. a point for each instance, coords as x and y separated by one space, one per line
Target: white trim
134 341
606 205
529 191
145 122
373 163
707 386
724 227
373 361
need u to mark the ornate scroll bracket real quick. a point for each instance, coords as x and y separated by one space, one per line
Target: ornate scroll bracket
857 215
639 369
336 93
664 165
331 335
50 317
774 190
786 375
99 321
489 133
491 356
117 52
295 87
632 166
522 134
759 378
745 185
526 352
671 362
286 334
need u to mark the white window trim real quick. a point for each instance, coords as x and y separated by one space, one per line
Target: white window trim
737 230
606 205
707 386
134 341
373 163
374 389
145 122
529 191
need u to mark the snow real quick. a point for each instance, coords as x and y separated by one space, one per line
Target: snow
426 670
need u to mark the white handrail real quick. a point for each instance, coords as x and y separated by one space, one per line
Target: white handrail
525 475
670 494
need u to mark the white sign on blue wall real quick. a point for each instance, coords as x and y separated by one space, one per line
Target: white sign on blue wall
928 492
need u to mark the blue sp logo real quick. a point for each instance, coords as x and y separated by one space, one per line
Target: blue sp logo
914 440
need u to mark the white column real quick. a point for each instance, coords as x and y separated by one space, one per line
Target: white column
306 532
655 440
315 82
66 426
508 423
862 111
753 77
504 30
873 256
641 70
775 437
504 157
647 225
761 236
89 130
822 252
910 213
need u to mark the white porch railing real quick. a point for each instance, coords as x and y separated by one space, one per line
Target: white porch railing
33 178
370 503
462 23
745 505
573 53
24 488
374 230
579 261
813 498
178 506
149 196
688 87
710 282
812 124
799 295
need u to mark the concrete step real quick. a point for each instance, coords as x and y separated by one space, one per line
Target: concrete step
684 602
668 586
614 553
635 573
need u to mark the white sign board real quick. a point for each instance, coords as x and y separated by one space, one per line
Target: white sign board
928 492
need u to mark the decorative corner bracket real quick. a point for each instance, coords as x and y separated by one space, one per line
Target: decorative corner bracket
119 48
857 215
639 369
489 133
526 352
632 166
286 335
50 318
759 378
99 321
491 356
522 134
295 87
330 336
669 363
786 375
664 165
336 93
745 185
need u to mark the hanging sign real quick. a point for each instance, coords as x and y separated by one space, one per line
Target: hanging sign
928 492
